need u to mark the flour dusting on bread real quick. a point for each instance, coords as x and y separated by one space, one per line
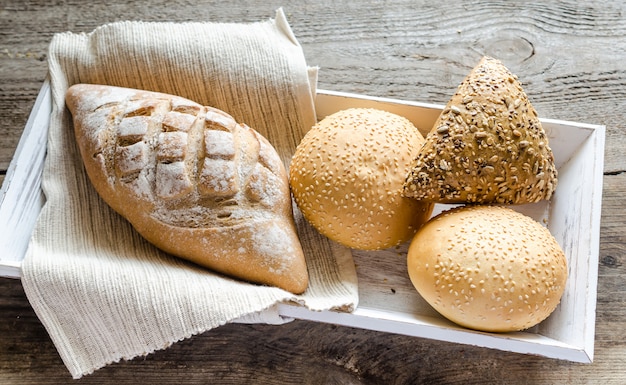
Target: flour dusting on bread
191 180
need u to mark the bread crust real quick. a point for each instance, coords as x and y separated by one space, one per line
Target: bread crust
488 268
347 173
191 181
487 146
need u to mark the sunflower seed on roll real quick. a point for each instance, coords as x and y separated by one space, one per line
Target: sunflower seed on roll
487 145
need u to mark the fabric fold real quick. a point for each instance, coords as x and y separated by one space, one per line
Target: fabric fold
102 292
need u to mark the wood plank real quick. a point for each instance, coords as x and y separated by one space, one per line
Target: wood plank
569 56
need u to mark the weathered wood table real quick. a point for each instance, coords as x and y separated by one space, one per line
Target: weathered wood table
571 59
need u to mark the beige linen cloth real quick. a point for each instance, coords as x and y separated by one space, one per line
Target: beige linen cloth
102 292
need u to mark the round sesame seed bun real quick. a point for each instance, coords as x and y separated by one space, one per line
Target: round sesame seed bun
488 268
347 175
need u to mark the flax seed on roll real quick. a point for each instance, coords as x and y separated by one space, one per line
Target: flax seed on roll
488 268
347 175
487 146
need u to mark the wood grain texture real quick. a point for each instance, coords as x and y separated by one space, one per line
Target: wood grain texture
568 55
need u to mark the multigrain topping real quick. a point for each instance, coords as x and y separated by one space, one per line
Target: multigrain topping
487 146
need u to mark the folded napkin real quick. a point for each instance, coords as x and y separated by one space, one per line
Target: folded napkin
102 292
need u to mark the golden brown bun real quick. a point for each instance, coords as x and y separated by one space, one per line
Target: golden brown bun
487 146
488 268
347 174
191 181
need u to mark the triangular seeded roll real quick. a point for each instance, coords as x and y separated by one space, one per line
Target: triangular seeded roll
191 181
487 146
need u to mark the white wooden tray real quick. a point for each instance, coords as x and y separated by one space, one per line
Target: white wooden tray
387 300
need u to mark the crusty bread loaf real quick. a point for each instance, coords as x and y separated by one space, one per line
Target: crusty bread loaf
487 146
192 181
